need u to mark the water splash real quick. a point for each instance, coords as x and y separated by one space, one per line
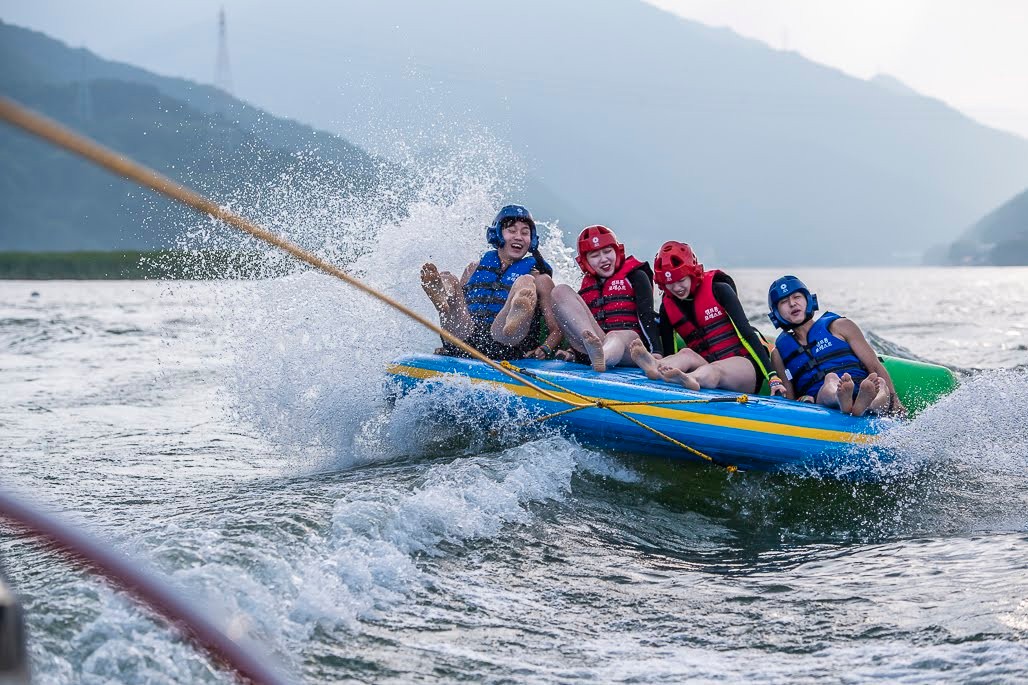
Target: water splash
308 353
368 561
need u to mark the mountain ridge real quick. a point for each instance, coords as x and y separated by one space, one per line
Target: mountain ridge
656 125
647 120
51 200
1000 238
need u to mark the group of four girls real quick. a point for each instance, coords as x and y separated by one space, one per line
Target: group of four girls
500 303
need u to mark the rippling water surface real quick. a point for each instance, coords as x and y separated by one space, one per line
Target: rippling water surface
233 436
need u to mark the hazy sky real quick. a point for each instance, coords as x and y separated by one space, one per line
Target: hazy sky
973 54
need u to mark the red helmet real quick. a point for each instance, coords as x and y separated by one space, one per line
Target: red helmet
594 238
675 261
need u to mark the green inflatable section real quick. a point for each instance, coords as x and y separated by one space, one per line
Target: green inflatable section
918 384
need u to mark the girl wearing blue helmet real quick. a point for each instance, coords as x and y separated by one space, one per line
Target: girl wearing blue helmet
494 306
828 360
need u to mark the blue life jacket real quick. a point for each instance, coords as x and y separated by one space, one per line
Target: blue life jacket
487 289
807 365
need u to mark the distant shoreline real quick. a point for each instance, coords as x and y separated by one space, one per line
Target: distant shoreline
117 265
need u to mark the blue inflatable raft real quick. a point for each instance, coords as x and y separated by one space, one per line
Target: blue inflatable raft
747 432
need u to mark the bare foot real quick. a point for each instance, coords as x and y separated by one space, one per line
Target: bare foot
881 401
594 348
643 359
673 375
432 284
867 392
522 307
845 393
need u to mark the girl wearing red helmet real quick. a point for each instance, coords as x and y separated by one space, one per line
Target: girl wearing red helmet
722 349
614 306
494 306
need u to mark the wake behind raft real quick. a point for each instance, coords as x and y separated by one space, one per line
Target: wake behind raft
661 419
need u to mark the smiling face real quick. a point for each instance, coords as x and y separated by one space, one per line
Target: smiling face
680 289
602 261
517 238
793 309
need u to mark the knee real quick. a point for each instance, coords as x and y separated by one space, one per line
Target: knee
563 293
694 358
543 282
524 282
626 338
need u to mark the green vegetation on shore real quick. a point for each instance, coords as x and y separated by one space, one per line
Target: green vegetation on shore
133 265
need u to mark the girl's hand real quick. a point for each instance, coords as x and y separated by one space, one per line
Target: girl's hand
808 399
564 355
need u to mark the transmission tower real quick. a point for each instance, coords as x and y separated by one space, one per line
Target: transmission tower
223 72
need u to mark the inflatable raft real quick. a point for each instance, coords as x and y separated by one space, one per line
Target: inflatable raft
662 419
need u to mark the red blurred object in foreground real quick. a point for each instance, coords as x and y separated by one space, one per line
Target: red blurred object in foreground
143 585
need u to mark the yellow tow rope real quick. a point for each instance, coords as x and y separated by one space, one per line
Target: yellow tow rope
613 405
54 133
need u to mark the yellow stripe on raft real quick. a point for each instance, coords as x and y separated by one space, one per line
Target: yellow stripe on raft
661 412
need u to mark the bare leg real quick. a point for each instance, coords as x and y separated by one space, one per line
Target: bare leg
468 271
544 287
828 395
675 375
684 360
615 347
432 284
446 294
573 316
735 373
845 394
594 348
512 323
643 359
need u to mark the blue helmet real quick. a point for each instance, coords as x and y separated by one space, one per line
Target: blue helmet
781 289
494 234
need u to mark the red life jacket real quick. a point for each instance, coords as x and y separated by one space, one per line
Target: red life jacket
612 302
713 336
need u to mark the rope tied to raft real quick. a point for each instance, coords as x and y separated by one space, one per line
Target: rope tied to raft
612 405
120 165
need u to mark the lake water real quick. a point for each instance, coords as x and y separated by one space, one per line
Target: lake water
234 437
